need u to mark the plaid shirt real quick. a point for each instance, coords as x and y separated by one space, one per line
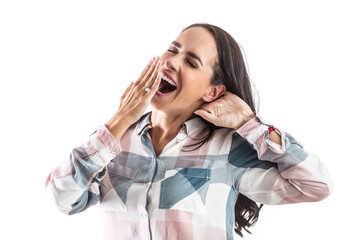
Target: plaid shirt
184 194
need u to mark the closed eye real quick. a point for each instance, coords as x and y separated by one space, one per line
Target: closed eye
192 65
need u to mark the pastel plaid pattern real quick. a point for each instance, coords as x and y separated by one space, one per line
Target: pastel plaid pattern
184 194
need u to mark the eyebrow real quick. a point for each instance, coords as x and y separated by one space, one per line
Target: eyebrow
190 53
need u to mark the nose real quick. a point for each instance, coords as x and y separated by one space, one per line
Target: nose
172 63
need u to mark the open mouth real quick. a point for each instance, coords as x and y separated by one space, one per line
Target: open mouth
166 85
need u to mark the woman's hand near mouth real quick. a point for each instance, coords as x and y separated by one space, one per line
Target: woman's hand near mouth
135 99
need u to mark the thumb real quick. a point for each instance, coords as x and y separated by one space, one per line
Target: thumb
205 115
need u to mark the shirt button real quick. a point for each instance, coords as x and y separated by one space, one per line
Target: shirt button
143 215
178 140
112 153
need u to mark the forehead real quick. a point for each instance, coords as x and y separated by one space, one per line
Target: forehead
200 41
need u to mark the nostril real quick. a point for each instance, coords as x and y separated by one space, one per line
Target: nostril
170 65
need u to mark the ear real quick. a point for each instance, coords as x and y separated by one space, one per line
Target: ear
214 93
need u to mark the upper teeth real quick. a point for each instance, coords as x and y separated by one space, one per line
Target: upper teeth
167 79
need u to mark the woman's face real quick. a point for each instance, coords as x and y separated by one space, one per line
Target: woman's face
187 64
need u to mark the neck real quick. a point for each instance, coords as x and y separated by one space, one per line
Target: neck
167 124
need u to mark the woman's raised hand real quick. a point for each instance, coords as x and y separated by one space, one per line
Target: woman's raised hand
135 99
227 111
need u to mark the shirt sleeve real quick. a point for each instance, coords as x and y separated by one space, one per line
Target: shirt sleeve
277 174
74 184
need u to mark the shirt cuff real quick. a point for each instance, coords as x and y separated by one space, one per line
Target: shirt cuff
256 132
102 147
248 127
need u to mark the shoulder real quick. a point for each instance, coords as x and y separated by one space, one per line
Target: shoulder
225 139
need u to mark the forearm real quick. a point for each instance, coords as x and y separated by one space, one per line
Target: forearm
74 183
298 176
117 126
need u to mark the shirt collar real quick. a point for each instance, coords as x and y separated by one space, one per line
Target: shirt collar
144 123
190 126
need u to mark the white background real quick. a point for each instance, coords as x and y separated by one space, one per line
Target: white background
64 65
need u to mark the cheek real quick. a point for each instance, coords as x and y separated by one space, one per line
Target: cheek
195 86
198 81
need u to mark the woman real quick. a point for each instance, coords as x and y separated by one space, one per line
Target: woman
195 166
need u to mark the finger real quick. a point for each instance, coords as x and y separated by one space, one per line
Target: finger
147 67
206 107
150 82
151 75
148 73
155 86
125 94
127 89
146 70
205 115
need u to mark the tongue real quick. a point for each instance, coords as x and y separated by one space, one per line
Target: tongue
166 87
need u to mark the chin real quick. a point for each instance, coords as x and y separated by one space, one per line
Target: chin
157 105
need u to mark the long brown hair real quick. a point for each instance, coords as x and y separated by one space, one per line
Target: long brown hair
230 70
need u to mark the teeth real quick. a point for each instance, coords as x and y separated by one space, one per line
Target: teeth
167 79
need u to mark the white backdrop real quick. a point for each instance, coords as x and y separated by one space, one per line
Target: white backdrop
64 65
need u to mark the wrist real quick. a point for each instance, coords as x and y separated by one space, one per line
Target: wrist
117 125
250 116
246 119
